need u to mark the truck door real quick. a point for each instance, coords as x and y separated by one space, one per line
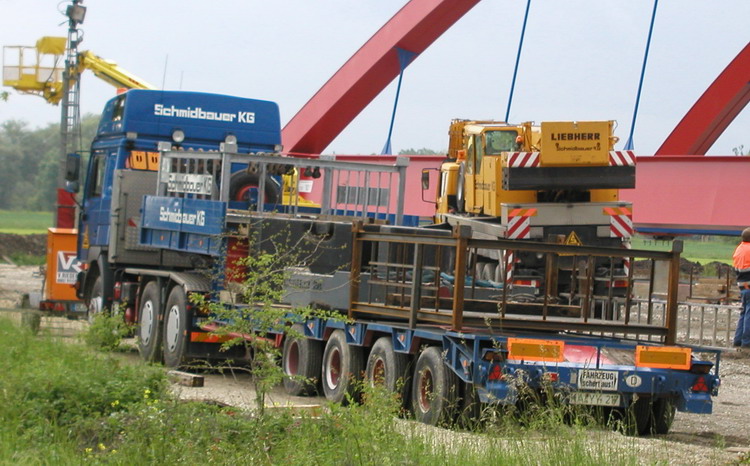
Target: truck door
474 152
94 216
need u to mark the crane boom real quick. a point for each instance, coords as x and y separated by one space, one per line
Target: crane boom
38 70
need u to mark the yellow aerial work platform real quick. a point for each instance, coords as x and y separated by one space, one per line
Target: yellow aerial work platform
36 70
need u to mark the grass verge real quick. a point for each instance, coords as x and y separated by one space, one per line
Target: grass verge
24 222
64 404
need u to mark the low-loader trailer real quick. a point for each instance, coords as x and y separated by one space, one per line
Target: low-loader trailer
179 185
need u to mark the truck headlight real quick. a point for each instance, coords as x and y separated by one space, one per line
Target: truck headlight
178 136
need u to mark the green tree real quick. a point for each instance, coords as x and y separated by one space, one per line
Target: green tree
422 151
30 159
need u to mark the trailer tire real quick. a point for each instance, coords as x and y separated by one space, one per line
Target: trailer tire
470 408
637 417
176 326
242 182
387 368
434 388
149 323
341 369
662 415
302 357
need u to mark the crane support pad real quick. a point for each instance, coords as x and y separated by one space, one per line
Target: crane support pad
546 178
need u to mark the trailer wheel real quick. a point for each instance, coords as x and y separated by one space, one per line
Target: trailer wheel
387 368
149 323
302 357
176 324
242 183
637 417
434 389
470 408
662 415
342 369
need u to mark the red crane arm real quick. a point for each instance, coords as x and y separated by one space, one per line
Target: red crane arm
713 112
417 25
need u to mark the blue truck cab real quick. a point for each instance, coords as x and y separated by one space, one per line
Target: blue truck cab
124 160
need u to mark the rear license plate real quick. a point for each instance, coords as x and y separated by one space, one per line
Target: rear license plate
591 379
595 399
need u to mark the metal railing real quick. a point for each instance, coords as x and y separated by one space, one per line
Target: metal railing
424 277
350 189
697 323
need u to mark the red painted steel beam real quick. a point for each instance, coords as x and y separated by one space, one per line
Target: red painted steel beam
417 25
713 112
690 195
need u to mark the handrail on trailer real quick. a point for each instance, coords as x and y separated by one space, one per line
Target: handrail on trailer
418 260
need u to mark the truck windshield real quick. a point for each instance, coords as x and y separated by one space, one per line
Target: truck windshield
500 141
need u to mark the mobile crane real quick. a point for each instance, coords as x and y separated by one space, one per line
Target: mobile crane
557 182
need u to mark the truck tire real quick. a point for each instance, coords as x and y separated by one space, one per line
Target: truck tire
302 357
176 326
242 183
342 369
149 323
95 299
662 416
434 388
387 368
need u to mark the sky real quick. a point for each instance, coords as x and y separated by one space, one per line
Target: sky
581 60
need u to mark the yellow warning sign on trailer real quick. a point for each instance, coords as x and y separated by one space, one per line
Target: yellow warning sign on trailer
573 239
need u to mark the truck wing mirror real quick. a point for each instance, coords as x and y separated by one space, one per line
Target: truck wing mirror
426 182
425 179
73 167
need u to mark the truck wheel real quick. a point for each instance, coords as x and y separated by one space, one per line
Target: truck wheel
302 357
387 368
662 416
176 324
149 323
434 389
342 369
95 299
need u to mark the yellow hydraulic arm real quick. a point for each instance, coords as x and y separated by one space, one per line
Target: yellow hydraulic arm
39 70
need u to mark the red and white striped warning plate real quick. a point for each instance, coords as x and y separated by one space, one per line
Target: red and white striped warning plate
523 159
621 221
622 158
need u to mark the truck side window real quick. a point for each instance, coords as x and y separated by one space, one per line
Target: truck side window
500 141
97 175
479 148
470 156
118 109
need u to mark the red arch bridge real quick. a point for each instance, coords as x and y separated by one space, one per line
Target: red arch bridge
678 190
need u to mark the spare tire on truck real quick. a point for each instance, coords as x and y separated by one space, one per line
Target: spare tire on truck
241 185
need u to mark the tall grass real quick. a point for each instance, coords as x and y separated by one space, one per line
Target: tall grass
714 250
64 404
23 222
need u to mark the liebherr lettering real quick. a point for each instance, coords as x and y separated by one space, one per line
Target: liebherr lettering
198 113
575 136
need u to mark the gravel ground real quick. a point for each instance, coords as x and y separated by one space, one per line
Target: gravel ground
719 438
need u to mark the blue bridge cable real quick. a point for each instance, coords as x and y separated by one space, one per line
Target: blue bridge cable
404 58
629 143
518 59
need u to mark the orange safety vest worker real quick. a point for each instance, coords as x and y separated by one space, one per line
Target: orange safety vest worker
741 260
